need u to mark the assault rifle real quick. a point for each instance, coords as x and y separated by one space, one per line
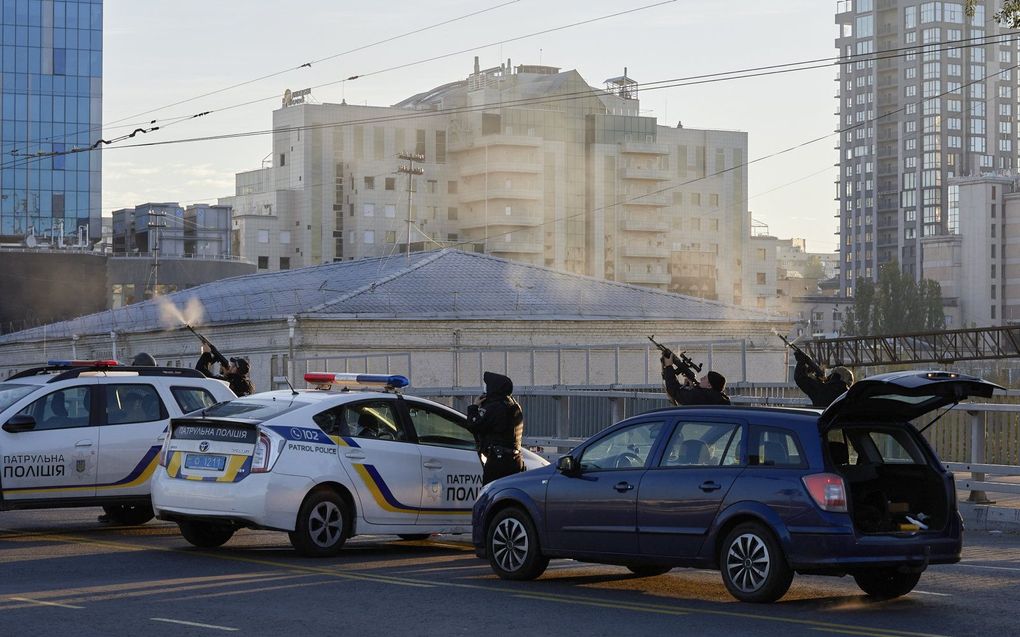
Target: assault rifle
813 367
217 357
687 367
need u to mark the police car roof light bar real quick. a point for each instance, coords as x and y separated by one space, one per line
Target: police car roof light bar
388 381
82 363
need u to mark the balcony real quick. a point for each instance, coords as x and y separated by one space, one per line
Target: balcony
492 167
646 252
657 200
498 219
643 148
472 195
645 225
646 174
515 247
645 278
496 140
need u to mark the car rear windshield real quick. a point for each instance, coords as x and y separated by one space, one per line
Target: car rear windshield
11 393
860 444
255 409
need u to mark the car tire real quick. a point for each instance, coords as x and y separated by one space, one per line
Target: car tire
322 524
753 566
648 570
512 545
129 515
205 535
412 537
886 583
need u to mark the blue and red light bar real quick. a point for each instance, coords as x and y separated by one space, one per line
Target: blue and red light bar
81 363
326 379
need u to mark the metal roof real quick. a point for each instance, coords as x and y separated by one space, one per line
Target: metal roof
443 284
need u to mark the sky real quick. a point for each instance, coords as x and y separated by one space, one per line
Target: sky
161 52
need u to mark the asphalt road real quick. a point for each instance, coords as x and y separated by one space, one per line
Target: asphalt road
63 573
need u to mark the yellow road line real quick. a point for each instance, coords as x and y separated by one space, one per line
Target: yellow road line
42 603
247 591
601 604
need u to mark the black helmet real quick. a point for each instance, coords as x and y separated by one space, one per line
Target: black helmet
143 359
242 365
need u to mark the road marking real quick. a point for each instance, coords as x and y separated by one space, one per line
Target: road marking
863 631
195 624
994 568
601 604
931 593
42 603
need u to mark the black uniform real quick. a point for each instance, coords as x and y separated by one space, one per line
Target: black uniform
240 384
688 394
821 391
498 425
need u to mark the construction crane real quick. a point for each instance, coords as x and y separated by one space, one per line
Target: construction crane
946 346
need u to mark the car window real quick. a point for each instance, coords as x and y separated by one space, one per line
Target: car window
434 428
374 419
191 399
703 444
626 448
133 403
63 409
772 447
253 408
842 450
11 393
896 447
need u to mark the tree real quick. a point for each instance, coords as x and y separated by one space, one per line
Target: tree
814 268
896 305
1008 15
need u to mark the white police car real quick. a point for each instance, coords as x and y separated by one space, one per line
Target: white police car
323 464
87 433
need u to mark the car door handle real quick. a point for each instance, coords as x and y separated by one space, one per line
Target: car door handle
161 437
433 464
355 455
83 443
710 486
623 486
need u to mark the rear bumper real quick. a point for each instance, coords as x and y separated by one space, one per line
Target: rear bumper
267 500
831 552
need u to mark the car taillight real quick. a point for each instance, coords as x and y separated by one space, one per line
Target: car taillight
164 451
827 490
260 460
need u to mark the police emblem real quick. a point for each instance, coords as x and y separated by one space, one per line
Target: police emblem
203 446
80 465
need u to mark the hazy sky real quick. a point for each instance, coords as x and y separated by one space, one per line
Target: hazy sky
158 52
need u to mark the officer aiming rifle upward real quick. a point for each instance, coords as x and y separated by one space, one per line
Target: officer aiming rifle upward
234 371
708 390
821 387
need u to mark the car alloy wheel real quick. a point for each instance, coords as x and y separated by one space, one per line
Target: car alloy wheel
510 544
322 524
325 524
748 563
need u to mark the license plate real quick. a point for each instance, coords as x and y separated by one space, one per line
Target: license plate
205 462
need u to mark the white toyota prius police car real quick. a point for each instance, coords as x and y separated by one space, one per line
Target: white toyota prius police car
323 464
87 433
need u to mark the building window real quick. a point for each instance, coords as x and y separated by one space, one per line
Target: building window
369 209
390 211
391 236
283 160
263 263
391 183
451 187
761 278
509 210
369 236
993 311
369 183
713 200
285 237
263 236
284 263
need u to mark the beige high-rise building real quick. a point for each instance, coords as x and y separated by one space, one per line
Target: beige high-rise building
529 163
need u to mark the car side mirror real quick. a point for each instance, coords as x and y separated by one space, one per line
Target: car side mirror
568 465
18 423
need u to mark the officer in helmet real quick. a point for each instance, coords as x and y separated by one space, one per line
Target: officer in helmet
497 422
235 372
143 359
822 390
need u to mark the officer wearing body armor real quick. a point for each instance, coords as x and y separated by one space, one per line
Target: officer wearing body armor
497 422
708 391
234 371
822 390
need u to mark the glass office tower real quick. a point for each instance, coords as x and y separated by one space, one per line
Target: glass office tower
51 65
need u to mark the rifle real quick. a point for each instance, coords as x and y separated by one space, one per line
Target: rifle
813 367
217 357
687 367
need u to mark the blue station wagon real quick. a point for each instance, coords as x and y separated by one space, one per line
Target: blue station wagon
758 493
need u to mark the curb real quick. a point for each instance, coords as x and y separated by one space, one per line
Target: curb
986 517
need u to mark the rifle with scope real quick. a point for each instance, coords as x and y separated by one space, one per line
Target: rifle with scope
813 367
687 367
217 357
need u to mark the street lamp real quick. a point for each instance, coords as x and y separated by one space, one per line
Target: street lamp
291 325
113 344
74 347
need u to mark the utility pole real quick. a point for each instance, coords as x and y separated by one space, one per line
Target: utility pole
411 171
156 227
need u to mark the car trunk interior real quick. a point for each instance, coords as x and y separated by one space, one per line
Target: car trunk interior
892 487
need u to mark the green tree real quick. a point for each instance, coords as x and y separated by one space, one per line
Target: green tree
896 305
814 268
890 308
934 316
1008 14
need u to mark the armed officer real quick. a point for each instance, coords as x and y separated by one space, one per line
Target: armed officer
708 391
497 422
234 371
821 389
